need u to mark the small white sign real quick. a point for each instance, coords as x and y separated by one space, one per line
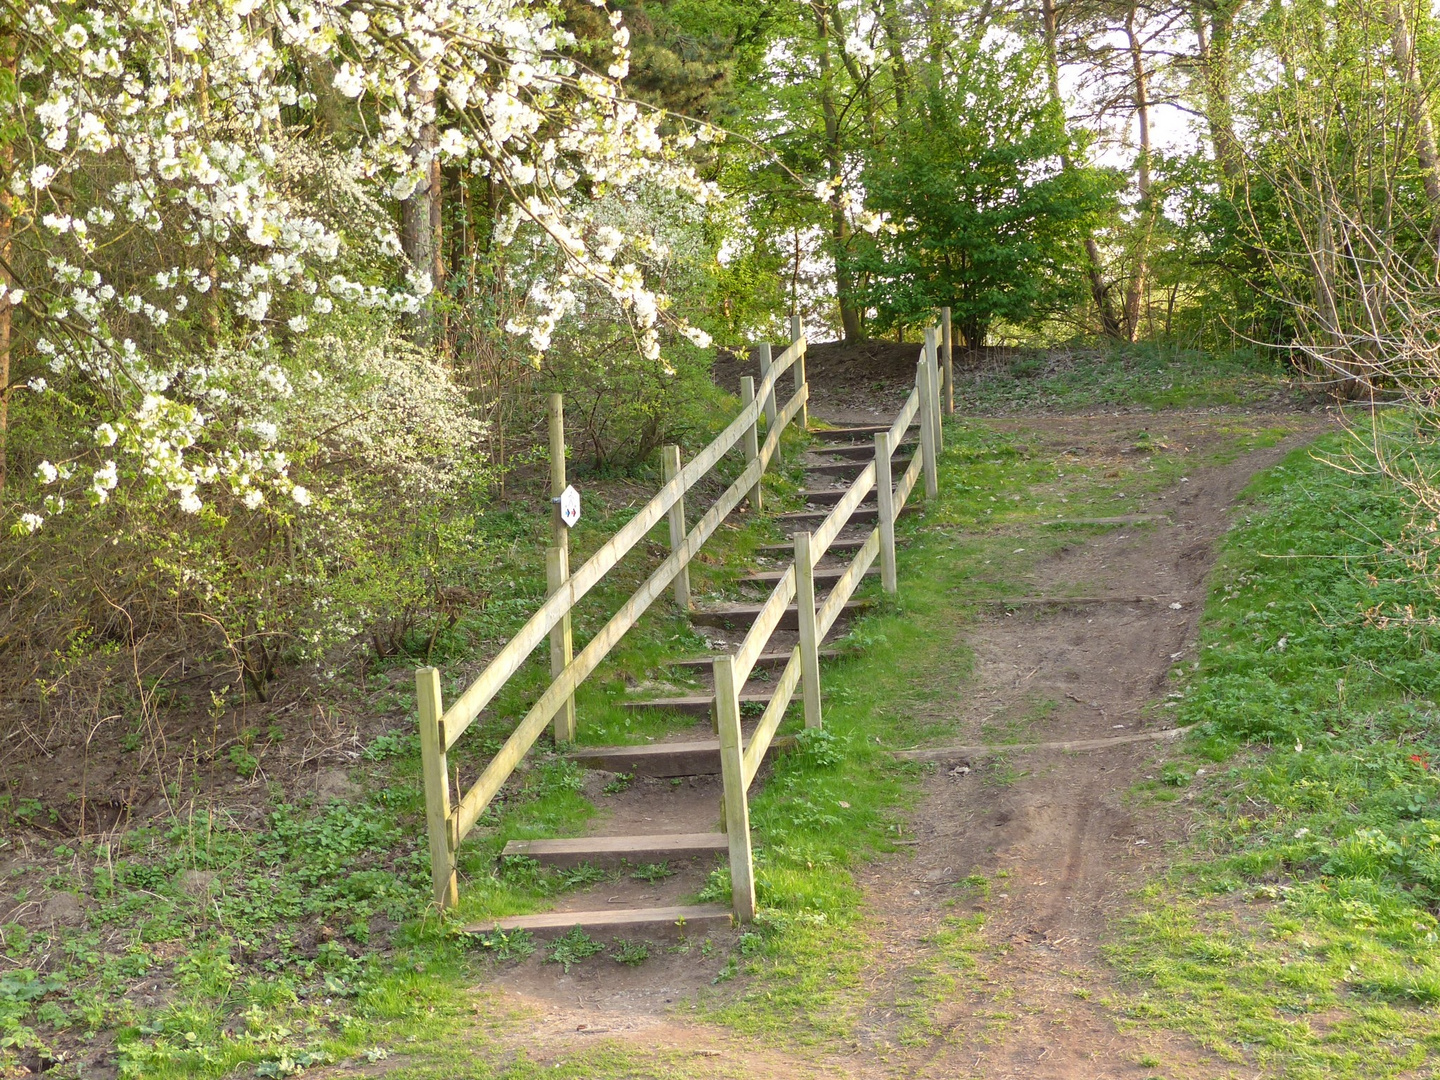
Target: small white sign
570 507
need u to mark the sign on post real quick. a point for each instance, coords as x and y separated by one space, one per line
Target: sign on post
569 501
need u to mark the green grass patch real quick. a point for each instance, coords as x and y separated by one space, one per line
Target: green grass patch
1298 934
1147 375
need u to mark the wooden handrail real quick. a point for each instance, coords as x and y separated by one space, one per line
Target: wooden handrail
467 812
764 625
731 671
907 483
907 414
840 516
848 583
764 732
463 711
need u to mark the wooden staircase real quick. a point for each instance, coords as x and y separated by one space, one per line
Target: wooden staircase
838 456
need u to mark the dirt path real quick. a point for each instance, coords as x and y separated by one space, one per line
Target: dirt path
1056 823
1052 829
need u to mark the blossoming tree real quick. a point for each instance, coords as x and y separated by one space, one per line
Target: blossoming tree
194 191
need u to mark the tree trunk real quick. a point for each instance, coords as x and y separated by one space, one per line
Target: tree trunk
1138 285
9 59
420 225
1407 65
835 157
1100 289
895 46
1214 43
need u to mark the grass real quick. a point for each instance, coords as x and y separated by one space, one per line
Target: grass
289 936
305 943
1144 376
1298 933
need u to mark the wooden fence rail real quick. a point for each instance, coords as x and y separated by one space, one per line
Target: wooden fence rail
739 761
440 728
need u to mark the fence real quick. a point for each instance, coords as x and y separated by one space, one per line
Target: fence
440 727
739 762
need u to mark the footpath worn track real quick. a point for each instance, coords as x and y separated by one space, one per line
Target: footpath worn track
1054 826
1078 688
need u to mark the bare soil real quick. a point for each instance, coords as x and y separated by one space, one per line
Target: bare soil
1059 833
859 382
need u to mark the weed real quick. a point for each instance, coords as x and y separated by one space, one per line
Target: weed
245 762
652 872
285 1064
506 944
572 948
821 747
621 782
631 953
575 877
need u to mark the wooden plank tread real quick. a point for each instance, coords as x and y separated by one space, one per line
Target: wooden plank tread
827 574
846 434
679 920
851 469
573 851
696 704
831 496
697 757
765 660
863 512
728 615
837 547
860 450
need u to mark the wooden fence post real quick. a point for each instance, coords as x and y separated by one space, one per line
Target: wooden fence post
437 787
932 357
752 433
809 629
562 647
763 352
670 462
797 331
949 341
927 429
737 808
885 504
557 567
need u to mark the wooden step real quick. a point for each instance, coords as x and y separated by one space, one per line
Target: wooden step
831 496
612 850
861 513
860 451
825 575
767 661
699 757
616 922
843 545
695 704
851 469
731 616
850 434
